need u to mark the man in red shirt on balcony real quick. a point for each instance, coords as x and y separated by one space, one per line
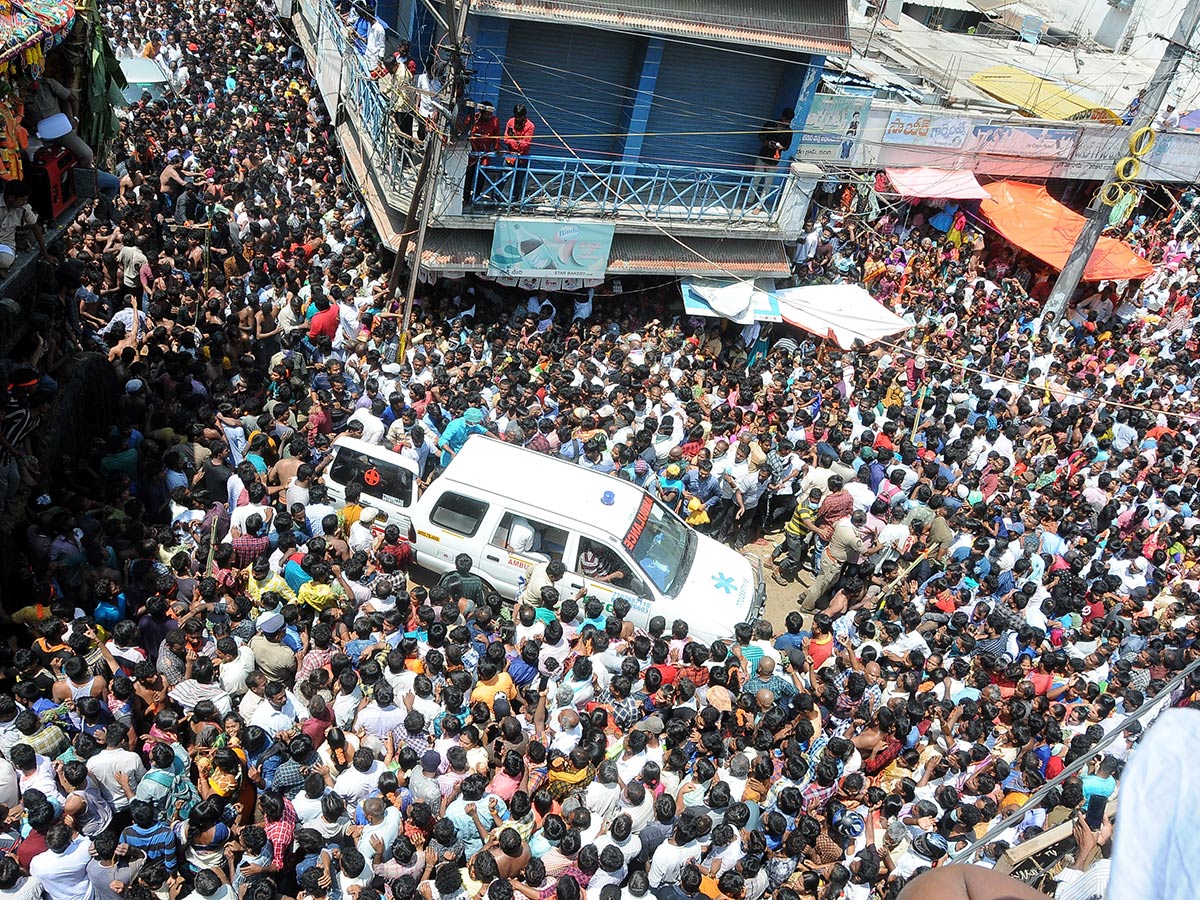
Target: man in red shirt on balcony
483 131
518 140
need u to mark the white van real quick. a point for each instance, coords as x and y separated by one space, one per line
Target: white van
388 480
495 497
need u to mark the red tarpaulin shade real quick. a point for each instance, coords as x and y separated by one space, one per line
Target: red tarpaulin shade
1040 225
927 181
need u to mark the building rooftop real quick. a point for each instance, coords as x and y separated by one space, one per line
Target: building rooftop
811 26
949 60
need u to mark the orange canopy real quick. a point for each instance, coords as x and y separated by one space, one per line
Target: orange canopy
1039 224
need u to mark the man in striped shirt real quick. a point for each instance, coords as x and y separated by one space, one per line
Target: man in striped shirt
152 837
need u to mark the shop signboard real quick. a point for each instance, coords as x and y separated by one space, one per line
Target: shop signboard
833 127
549 248
1019 140
922 130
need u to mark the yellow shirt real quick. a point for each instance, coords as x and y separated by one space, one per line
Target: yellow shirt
487 692
318 596
275 583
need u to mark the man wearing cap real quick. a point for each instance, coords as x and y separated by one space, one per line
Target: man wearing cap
362 538
457 432
274 659
422 781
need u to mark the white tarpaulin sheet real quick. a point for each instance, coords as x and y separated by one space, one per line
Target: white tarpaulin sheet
841 312
742 302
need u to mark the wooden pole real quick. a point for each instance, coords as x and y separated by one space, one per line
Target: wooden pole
920 409
212 547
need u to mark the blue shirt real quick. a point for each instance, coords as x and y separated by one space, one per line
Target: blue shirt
455 436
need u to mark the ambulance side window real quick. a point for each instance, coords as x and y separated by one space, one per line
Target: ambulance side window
458 513
596 560
529 537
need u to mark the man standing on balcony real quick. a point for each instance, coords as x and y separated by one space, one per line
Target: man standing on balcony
518 141
483 131
429 88
396 85
376 44
775 139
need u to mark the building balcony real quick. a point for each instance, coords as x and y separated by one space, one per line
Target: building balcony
628 191
720 220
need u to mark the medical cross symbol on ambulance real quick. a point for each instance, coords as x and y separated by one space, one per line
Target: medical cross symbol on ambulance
724 582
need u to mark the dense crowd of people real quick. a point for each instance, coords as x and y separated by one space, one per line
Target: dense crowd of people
222 685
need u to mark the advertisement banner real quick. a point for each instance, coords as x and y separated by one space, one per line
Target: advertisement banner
1097 145
1173 158
920 130
833 127
546 248
1030 143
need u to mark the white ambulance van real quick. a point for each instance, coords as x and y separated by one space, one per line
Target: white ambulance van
510 509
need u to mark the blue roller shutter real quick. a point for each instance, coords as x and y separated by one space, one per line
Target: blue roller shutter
704 89
564 73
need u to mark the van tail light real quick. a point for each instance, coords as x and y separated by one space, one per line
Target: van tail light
412 533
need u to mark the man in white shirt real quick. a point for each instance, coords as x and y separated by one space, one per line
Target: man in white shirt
113 759
381 716
281 711
62 867
522 537
360 779
34 771
371 421
235 662
373 53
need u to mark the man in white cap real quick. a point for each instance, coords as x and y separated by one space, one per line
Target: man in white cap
362 538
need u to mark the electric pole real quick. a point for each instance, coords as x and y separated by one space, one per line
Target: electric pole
1096 216
425 186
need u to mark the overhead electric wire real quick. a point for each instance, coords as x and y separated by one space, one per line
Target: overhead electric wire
906 351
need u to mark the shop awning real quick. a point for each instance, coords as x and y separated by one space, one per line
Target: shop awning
457 251
1037 223
841 312
947 184
740 301
656 254
1040 97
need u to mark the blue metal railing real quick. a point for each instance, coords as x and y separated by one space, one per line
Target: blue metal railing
393 157
619 189
333 26
338 67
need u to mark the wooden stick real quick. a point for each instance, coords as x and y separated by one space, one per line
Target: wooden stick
920 409
212 547
896 581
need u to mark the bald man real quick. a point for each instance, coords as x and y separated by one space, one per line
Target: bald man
765 678
567 730
383 826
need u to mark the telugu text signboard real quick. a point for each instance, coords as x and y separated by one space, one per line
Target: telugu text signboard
920 130
833 127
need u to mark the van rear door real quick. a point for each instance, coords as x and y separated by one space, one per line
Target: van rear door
389 484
